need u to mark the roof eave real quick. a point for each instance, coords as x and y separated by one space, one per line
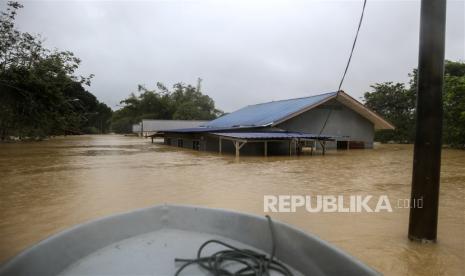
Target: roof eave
378 121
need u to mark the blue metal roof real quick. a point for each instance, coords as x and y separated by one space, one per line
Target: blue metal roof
272 135
267 113
195 129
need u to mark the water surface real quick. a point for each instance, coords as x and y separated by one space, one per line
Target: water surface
46 187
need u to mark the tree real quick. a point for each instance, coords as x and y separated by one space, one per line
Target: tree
41 95
397 104
454 106
184 102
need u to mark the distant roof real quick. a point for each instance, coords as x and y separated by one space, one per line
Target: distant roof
158 125
265 114
272 135
276 112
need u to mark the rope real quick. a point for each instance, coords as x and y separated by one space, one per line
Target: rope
347 65
251 263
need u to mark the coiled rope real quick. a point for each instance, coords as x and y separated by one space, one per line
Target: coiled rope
250 262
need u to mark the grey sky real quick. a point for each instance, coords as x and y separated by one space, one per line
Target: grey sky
245 51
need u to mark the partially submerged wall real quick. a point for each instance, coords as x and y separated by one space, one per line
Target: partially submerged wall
211 143
342 122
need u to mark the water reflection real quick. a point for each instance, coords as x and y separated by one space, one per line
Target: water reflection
46 187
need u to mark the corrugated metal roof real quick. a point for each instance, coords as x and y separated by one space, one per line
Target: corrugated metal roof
195 129
272 135
267 113
159 125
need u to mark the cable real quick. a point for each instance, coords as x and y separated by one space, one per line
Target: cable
347 65
252 263
353 45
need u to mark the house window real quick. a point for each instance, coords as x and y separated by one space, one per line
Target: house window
180 143
168 141
196 145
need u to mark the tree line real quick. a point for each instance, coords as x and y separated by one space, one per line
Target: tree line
182 102
396 102
42 96
40 93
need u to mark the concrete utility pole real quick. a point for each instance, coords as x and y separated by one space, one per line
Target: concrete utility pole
428 141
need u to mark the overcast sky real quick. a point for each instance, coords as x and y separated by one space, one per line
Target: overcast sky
246 52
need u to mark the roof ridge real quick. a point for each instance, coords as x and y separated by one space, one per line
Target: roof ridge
298 98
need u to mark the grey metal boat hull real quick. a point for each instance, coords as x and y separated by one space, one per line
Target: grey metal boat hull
146 241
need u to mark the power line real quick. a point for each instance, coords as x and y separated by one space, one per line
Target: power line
347 65
353 45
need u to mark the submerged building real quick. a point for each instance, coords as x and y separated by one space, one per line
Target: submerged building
148 127
330 120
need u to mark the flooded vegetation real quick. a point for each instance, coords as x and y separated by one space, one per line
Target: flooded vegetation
49 186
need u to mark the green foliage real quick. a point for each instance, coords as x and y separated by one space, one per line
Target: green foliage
184 102
40 95
454 110
454 68
396 103
121 124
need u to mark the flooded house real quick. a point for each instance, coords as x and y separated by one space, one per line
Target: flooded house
326 121
149 127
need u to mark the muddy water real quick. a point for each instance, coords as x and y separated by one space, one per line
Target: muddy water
48 186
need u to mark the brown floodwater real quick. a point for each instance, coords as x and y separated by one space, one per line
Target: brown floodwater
48 186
